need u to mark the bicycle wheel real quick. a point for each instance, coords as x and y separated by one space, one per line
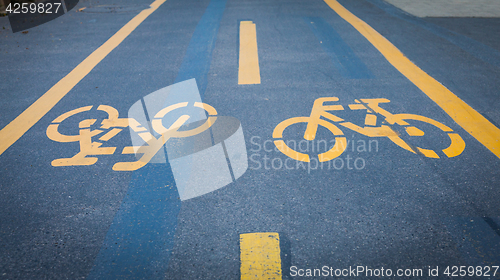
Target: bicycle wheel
153 145
455 148
335 151
160 129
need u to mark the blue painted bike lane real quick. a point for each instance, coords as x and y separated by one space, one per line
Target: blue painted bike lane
141 238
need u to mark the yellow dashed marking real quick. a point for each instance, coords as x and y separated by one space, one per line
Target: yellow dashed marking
248 71
260 256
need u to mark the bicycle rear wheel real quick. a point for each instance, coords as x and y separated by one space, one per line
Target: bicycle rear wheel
455 148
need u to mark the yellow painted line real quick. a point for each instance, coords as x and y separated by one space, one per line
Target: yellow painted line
260 256
248 71
20 125
464 115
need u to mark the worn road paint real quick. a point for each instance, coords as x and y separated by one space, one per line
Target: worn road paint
248 70
143 229
198 57
260 256
343 57
20 125
135 251
464 115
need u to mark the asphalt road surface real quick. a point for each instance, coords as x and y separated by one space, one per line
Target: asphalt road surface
341 139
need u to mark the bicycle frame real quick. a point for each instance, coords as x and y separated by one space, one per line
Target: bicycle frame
320 110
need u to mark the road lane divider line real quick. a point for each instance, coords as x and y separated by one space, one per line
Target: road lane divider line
248 70
463 114
260 256
22 123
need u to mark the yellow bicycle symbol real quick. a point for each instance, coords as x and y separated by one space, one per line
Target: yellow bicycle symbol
113 125
320 111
